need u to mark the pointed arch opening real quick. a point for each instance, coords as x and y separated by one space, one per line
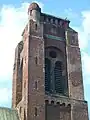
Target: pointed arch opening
56 81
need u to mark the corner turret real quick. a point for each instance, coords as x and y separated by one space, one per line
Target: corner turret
34 12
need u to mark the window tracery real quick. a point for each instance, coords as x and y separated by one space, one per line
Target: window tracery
55 82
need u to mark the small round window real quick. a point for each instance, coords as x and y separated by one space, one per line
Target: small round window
53 54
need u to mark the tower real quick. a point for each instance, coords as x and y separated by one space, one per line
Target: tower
47 74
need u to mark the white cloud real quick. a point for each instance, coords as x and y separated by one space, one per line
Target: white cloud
5 95
84 34
86 63
86 21
70 13
84 30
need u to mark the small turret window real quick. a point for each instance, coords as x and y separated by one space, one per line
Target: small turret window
30 12
35 26
35 84
35 111
36 60
14 66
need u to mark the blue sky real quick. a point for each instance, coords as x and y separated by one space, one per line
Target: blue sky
13 17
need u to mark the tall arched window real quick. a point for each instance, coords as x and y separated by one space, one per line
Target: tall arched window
47 74
58 78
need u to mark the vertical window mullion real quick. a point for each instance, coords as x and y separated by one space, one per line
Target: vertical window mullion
58 77
47 74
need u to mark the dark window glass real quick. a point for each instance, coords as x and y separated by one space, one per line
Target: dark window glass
35 84
36 60
24 115
20 110
46 101
53 54
30 12
35 111
52 102
14 66
35 26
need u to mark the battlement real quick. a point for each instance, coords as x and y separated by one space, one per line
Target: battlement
50 19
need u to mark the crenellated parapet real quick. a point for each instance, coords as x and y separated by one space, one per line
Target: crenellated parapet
54 20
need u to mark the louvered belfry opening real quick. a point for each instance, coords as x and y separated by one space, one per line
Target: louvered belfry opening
55 72
47 74
58 77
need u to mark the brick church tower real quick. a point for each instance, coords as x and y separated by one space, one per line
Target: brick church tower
47 74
